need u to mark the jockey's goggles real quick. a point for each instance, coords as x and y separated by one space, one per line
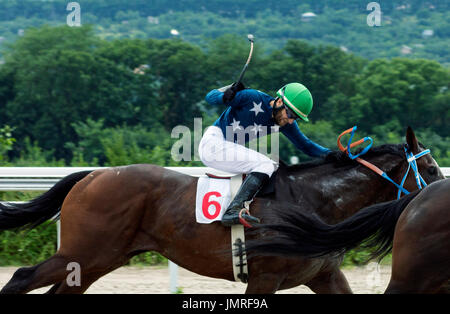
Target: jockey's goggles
289 112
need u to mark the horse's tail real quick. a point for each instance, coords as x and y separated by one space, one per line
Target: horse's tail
33 213
302 234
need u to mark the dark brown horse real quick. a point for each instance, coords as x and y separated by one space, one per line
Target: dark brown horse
416 228
111 215
421 244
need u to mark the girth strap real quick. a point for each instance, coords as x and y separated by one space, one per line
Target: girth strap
239 258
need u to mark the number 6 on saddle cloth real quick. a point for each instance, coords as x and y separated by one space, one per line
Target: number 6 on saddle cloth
410 157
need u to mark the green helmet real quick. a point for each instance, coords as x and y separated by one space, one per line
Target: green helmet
298 98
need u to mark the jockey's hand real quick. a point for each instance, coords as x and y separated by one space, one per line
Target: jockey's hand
337 156
229 94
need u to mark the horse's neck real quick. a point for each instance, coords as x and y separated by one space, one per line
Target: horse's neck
335 195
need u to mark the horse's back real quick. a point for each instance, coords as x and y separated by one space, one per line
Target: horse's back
139 186
429 208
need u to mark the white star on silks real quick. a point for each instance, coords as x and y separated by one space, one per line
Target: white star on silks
257 108
256 128
236 125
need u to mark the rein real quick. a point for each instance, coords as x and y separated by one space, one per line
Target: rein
410 157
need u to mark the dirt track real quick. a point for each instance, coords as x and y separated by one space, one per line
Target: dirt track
155 280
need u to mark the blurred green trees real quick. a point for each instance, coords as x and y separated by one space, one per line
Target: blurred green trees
339 23
6 142
84 100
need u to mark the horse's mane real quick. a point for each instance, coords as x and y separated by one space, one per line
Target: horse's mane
340 159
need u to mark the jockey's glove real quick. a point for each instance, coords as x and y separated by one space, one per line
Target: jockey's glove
231 91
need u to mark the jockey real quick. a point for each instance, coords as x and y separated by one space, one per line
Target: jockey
251 111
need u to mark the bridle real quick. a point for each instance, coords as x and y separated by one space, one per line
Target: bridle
410 157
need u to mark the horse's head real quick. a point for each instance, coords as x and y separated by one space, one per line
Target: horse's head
390 158
414 169
427 166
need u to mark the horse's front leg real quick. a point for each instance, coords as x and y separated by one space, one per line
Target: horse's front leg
330 281
264 283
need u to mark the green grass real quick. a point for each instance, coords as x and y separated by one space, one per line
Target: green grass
27 247
359 257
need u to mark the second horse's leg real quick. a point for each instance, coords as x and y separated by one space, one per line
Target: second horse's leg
26 279
332 281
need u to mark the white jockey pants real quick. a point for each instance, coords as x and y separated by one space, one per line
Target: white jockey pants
218 153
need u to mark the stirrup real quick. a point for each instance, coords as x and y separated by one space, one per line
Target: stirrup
245 222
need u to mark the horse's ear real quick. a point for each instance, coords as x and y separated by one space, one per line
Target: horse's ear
411 140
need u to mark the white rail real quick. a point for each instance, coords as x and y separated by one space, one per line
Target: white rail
43 178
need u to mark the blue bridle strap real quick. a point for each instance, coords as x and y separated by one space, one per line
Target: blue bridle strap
400 187
365 150
412 164
410 157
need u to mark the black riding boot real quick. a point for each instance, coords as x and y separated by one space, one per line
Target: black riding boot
251 185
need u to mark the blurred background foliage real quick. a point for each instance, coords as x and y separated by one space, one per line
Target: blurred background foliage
336 22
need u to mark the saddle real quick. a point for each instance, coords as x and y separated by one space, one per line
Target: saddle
267 188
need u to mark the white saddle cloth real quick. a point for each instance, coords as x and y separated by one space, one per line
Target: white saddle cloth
213 197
